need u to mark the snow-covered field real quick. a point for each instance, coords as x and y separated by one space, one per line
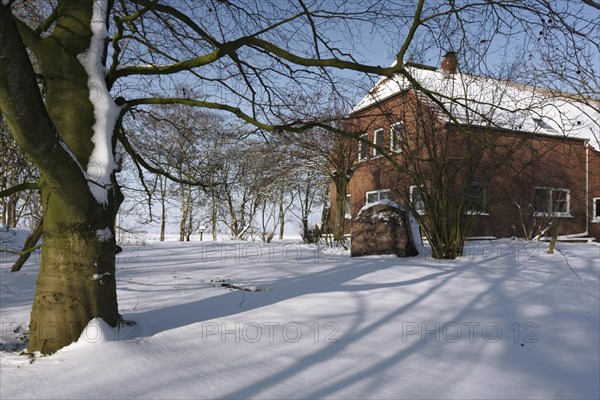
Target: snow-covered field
505 321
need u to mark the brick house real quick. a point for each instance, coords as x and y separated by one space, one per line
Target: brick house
520 157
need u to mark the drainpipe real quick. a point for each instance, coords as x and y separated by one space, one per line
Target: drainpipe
587 185
587 195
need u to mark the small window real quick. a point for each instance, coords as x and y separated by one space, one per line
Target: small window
416 199
551 202
475 197
379 141
384 194
347 207
377 195
596 211
363 149
396 136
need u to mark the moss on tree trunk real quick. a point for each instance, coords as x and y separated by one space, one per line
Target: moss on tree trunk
76 281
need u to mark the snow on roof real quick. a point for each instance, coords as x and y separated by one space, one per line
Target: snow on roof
481 101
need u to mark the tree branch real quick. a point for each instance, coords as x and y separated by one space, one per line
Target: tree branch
19 188
30 37
139 160
411 33
29 246
27 117
47 23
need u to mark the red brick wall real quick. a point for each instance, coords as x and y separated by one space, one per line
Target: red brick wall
594 188
536 160
549 162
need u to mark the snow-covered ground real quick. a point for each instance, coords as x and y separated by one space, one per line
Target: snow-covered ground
505 321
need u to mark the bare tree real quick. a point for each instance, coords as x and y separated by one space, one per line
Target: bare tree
19 198
321 153
178 144
249 181
247 57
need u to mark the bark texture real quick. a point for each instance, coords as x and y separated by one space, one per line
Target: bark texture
76 281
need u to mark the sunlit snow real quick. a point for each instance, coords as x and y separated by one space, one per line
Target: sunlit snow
505 321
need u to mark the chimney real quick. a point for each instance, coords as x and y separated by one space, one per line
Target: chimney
449 64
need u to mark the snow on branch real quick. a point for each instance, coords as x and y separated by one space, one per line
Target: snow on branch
101 163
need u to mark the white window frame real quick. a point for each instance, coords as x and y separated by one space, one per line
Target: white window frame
348 211
559 214
595 210
395 145
361 147
376 152
420 211
378 192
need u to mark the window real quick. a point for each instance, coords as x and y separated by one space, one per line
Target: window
363 149
378 195
379 141
347 207
475 197
551 201
596 211
416 199
396 136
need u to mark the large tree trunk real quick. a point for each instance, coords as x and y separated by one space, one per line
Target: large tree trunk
281 216
9 211
325 217
213 214
341 184
190 225
163 222
163 208
183 219
4 203
76 281
12 211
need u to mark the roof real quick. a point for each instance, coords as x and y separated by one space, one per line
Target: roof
481 101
